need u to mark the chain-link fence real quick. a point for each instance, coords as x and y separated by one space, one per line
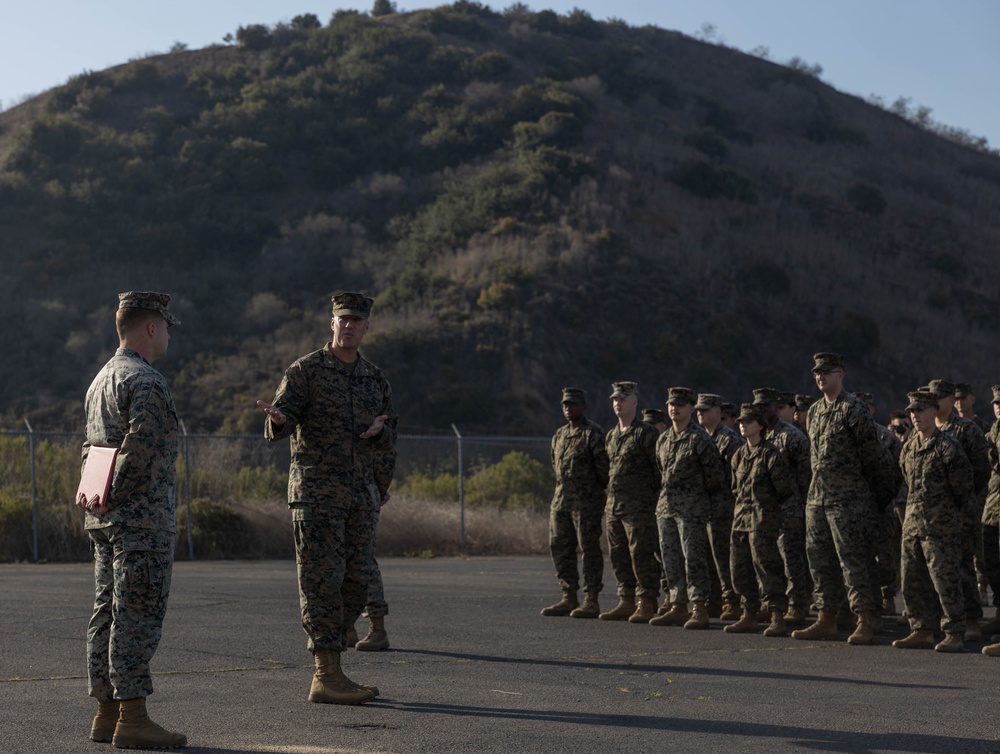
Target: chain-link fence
232 489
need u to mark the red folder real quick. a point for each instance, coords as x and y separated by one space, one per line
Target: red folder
95 482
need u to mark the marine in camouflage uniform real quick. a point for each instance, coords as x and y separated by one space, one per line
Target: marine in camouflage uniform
991 516
692 474
844 455
794 448
965 402
580 463
762 485
974 443
339 416
720 522
128 406
939 481
633 483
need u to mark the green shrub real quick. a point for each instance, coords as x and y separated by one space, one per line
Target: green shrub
707 181
499 296
422 486
709 141
218 530
517 481
866 198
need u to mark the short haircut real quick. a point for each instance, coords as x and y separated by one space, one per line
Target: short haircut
130 318
897 414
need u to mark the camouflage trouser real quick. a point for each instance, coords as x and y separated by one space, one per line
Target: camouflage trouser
882 559
931 583
792 546
132 569
757 567
375 604
720 529
837 546
971 532
333 549
569 530
991 558
631 547
690 566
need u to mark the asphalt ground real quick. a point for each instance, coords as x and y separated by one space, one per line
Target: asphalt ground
475 668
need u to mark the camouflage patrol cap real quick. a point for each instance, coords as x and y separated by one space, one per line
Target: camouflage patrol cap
624 389
867 398
654 416
828 362
751 412
943 388
803 402
351 304
963 389
729 410
708 400
921 399
680 396
573 395
786 398
762 396
996 393
151 300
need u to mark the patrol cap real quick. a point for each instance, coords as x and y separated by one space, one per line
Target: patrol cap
762 396
828 362
151 300
654 416
729 410
680 396
351 304
996 393
708 400
942 388
803 402
963 389
751 412
921 399
624 389
867 398
573 395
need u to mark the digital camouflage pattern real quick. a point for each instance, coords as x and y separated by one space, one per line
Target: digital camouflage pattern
794 448
991 518
692 475
633 483
883 522
939 480
720 524
580 463
336 483
844 455
128 405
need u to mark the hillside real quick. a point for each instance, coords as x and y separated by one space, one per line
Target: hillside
535 200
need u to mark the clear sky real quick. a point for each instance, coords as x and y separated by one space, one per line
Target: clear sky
943 54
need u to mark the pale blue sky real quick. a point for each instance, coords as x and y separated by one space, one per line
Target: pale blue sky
941 53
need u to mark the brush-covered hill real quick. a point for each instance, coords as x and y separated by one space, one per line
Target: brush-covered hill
534 200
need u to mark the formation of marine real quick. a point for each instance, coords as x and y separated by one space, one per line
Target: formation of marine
788 512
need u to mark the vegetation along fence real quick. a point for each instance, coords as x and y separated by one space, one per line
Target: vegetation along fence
231 494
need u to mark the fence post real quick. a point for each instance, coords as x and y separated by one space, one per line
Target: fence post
34 493
187 490
461 493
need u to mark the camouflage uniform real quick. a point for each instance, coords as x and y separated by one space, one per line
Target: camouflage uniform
580 462
844 452
633 483
763 486
991 516
720 522
884 522
375 604
939 480
794 448
692 474
335 486
129 406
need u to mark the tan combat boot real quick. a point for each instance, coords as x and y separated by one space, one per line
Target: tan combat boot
952 643
699 617
731 611
747 624
665 607
677 615
136 731
825 627
796 615
377 639
331 686
972 630
589 608
103 728
777 627
992 650
622 611
921 638
864 634
645 609
565 606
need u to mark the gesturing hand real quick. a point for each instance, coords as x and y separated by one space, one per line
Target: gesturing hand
276 416
375 428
